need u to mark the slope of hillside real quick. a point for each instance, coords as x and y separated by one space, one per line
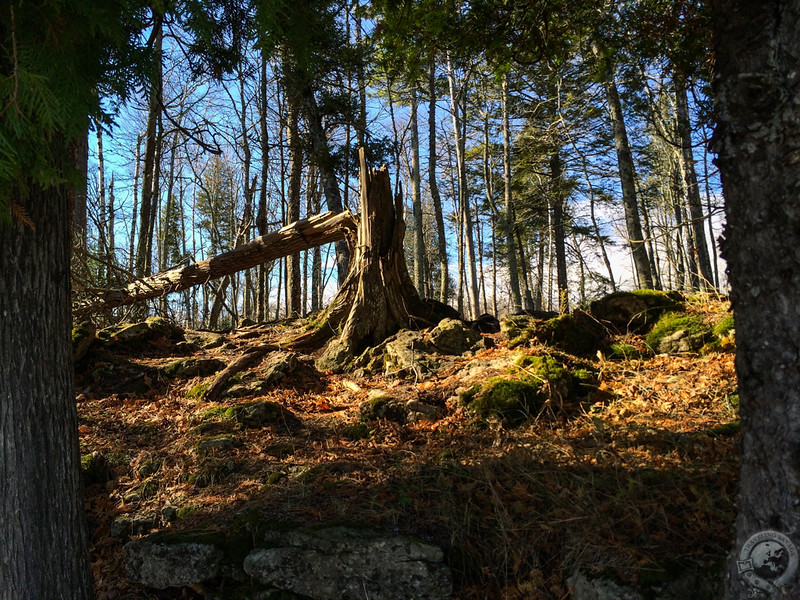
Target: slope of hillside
625 467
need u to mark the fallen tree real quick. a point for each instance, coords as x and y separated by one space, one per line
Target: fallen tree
376 299
293 238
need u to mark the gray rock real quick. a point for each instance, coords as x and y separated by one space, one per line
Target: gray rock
419 411
335 357
137 332
686 585
194 367
259 414
205 339
634 311
220 442
123 528
380 405
408 354
350 564
278 366
679 342
453 337
585 588
245 388
163 565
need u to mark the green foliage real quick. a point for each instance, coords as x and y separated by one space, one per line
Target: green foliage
57 62
216 205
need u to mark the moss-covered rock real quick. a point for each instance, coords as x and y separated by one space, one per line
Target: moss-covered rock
194 367
635 311
83 334
512 326
144 491
725 327
452 336
623 351
254 414
96 469
677 333
205 339
576 333
382 406
197 391
512 401
215 443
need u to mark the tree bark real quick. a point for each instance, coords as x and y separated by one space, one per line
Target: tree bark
508 216
378 297
43 547
295 237
758 141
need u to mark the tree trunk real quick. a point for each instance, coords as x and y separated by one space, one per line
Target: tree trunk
436 198
43 552
463 195
295 237
416 197
758 142
559 235
628 183
693 201
378 297
322 158
147 207
293 207
261 215
508 216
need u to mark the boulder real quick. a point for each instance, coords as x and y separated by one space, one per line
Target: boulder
486 323
583 587
576 333
257 414
635 311
408 354
83 335
194 367
205 339
278 366
339 563
380 405
452 336
419 411
162 565
680 342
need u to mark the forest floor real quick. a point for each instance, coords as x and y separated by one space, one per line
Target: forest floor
639 483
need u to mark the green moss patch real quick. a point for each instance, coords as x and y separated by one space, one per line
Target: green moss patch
672 323
724 326
253 414
511 400
198 391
